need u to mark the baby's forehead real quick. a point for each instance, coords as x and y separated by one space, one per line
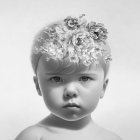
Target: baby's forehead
55 67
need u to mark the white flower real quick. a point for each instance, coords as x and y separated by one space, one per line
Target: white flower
80 38
75 39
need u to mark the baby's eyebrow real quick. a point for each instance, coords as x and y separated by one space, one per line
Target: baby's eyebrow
50 73
87 73
79 73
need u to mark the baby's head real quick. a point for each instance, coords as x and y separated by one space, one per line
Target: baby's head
69 57
73 41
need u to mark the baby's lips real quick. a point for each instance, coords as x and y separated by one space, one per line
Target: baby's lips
71 105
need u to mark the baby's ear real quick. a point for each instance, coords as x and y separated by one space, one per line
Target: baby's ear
104 87
37 85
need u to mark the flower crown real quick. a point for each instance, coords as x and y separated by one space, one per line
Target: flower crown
74 39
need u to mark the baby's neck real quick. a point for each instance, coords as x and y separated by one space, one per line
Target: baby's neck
56 122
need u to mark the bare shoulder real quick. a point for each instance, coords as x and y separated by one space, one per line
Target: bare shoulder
113 136
109 135
31 133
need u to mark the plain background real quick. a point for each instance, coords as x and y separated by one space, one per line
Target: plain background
20 20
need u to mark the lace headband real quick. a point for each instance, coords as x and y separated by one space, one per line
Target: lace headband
74 39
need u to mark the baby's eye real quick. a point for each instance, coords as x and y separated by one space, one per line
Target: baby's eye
85 78
56 79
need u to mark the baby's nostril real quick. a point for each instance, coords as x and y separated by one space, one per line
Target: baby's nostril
67 95
70 94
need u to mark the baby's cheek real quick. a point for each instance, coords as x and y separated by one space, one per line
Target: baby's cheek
91 98
53 96
52 101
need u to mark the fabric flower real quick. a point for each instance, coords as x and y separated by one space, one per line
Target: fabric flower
71 23
108 58
81 39
97 31
52 34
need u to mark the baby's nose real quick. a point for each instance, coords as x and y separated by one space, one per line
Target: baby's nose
70 91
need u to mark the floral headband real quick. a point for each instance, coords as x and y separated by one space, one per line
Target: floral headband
74 39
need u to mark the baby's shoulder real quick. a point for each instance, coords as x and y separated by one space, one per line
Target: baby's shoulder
109 135
34 132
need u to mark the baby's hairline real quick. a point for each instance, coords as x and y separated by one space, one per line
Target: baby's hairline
103 65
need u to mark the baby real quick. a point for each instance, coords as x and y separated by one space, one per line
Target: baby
70 59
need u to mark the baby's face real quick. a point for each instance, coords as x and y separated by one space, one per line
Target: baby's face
71 96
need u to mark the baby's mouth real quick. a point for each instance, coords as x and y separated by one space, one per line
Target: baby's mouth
71 105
